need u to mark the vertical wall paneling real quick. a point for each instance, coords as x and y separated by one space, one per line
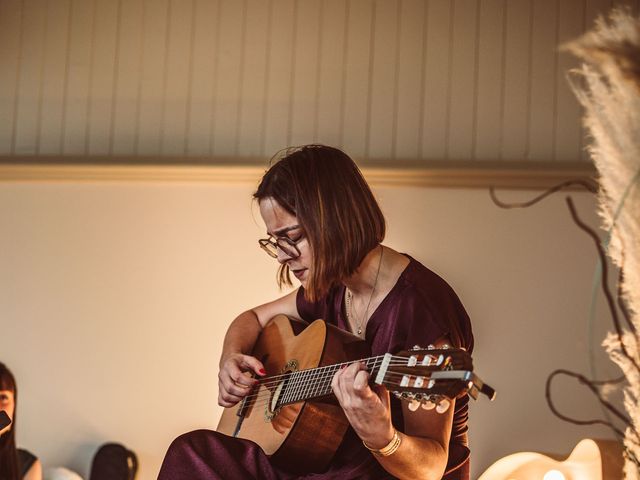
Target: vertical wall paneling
152 76
214 83
73 121
409 78
384 68
369 87
138 99
476 74
437 79
279 74
593 10
10 48
292 73
463 84
251 128
202 76
543 79
330 70
40 77
517 80
491 23
52 78
103 78
28 91
116 75
179 54
265 88
305 73
190 70
570 24
241 76
355 106
227 98
386 80
318 66
127 83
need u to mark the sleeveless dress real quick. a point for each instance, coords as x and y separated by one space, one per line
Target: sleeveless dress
417 311
26 460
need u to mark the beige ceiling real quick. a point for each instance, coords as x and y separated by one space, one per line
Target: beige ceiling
390 81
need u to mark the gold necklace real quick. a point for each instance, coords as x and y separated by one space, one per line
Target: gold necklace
349 300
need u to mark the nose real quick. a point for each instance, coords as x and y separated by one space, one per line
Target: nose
282 256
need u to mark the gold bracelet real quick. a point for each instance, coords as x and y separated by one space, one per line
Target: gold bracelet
389 449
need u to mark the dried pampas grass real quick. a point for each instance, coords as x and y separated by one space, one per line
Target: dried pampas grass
608 86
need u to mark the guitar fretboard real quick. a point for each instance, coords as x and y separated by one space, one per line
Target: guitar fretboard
316 382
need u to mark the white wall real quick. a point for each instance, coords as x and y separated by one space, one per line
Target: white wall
114 299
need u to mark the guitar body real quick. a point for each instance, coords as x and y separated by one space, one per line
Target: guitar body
302 437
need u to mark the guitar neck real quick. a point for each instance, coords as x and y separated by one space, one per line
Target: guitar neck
315 383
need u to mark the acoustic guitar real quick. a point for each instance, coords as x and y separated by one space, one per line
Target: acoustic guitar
291 412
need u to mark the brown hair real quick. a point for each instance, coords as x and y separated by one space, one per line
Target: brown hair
8 454
341 219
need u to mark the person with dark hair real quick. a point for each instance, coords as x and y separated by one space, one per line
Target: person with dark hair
325 227
15 463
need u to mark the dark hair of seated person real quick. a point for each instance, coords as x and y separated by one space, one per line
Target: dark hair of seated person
14 463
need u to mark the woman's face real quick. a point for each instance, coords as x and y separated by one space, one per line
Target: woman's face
281 224
8 404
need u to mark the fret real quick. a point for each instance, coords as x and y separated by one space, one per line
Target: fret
305 384
288 390
317 379
316 382
324 386
295 387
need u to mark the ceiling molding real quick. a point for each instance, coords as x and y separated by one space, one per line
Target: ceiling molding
519 175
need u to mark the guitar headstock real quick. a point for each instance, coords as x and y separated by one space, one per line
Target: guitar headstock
430 359
431 377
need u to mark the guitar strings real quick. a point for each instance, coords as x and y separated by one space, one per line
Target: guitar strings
319 376
403 359
330 370
367 361
264 399
320 379
301 382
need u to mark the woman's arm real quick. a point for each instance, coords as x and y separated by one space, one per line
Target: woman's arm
424 447
233 381
34 472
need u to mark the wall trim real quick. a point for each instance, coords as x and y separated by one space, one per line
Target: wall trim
518 175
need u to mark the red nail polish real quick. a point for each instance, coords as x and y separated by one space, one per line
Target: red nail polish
262 371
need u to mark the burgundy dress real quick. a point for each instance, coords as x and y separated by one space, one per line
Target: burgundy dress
417 311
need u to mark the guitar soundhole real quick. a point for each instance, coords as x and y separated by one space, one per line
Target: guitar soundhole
278 389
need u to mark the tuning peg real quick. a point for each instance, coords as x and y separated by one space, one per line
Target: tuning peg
428 404
416 347
443 405
413 405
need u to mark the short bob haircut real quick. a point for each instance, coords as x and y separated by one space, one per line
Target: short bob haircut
325 190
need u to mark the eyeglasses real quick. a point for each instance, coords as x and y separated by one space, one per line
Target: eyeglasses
289 247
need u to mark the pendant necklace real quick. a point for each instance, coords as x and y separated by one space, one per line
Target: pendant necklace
349 300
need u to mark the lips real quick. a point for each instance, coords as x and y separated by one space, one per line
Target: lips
299 273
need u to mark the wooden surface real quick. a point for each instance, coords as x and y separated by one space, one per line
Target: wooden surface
393 79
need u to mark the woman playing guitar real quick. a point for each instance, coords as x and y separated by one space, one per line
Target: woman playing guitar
325 227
